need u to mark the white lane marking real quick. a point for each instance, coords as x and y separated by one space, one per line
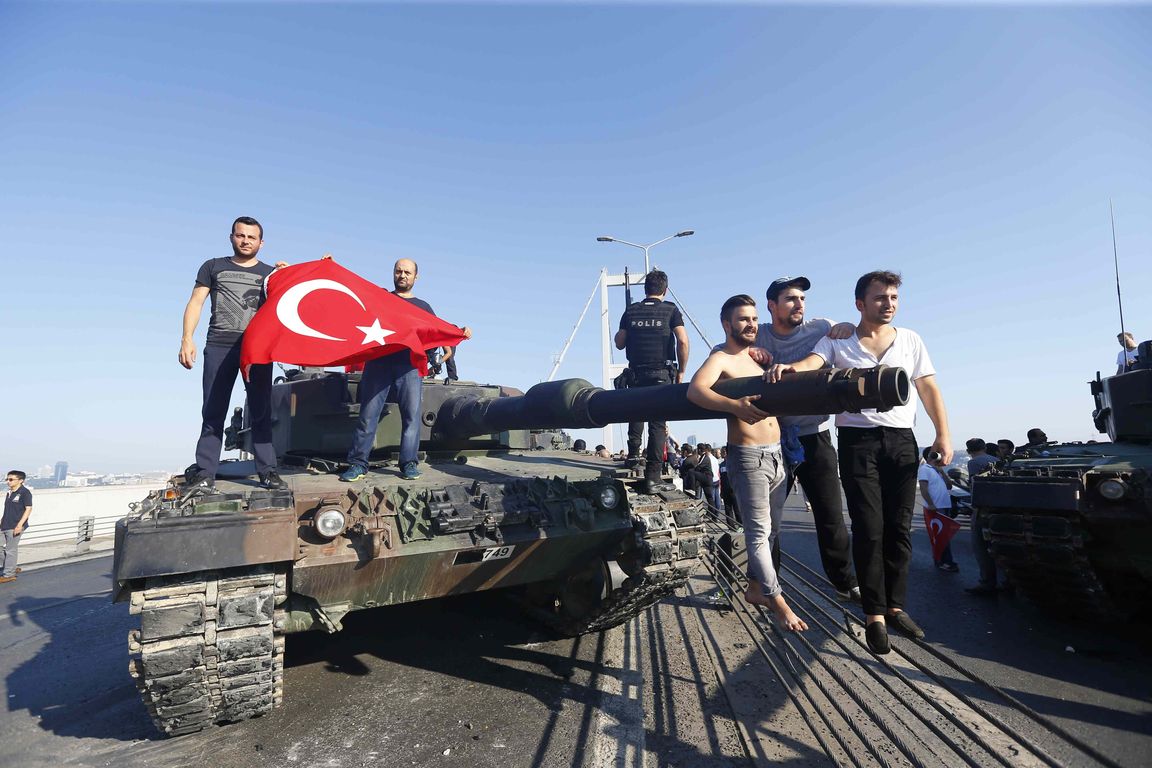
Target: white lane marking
617 737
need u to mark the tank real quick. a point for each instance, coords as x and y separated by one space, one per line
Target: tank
1071 523
220 577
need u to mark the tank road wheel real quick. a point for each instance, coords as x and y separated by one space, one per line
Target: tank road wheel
668 533
210 648
585 590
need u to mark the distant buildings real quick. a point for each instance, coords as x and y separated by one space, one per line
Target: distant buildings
58 477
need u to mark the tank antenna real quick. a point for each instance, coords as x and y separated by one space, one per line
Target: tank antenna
1116 266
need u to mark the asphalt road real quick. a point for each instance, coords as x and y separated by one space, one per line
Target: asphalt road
470 681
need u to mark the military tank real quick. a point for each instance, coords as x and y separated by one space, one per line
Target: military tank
220 576
1071 523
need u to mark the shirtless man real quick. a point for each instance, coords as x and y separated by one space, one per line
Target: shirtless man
755 465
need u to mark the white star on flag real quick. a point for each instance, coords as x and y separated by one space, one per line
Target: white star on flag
374 332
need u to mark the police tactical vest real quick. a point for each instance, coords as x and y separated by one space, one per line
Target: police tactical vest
649 329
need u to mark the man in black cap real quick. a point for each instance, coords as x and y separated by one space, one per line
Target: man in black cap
789 338
649 331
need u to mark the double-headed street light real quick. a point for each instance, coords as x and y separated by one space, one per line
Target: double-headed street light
647 266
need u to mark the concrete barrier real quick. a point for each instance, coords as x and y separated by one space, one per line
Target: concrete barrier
56 512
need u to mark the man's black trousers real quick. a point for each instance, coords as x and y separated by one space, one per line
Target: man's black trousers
657 430
878 471
817 476
221 365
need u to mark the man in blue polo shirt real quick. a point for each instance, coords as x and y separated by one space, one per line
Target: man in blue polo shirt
17 509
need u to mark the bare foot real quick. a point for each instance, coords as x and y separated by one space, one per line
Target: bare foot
786 618
779 607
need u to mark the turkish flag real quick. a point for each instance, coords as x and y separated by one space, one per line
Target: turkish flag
319 313
941 529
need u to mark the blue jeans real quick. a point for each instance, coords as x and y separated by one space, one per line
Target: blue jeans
388 379
758 479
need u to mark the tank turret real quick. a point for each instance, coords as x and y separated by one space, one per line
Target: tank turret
1124 402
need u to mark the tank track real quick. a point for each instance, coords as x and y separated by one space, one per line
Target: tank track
210 647
1045 557
670 531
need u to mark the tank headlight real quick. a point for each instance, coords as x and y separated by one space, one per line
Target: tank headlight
330 523
609 497
1113 489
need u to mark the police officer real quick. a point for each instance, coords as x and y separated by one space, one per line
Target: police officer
650 330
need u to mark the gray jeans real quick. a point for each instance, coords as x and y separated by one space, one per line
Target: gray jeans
758 476
11 545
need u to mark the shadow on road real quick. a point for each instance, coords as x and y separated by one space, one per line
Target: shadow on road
70 670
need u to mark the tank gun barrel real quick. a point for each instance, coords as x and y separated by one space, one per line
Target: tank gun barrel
577 404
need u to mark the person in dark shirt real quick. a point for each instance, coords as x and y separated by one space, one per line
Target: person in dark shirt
649 329
688 468
391 379
17 510
236 288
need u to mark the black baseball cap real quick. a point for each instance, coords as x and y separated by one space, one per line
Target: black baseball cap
781 283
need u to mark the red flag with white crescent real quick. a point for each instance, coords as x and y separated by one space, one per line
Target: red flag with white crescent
320 313
941 529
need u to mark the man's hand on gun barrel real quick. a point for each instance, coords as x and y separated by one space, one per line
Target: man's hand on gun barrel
777 372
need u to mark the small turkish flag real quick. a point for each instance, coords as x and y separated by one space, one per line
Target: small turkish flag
319 313
941 529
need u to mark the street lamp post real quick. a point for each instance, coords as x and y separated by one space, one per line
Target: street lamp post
647 265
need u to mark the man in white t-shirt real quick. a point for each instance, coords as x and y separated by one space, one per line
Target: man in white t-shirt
878 456
1127 354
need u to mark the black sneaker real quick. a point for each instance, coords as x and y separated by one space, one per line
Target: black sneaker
272 481
203 482
851 595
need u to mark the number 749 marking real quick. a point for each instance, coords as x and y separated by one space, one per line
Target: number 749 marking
497 553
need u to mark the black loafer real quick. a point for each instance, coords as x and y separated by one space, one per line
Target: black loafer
903 624
877 636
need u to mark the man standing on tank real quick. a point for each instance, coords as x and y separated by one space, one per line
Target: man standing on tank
236 288
878 454
648 331
391 379
788 338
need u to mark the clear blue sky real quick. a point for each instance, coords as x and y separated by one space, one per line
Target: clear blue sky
973 148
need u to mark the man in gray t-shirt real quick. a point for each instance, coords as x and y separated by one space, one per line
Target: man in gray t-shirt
790 338
235 286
